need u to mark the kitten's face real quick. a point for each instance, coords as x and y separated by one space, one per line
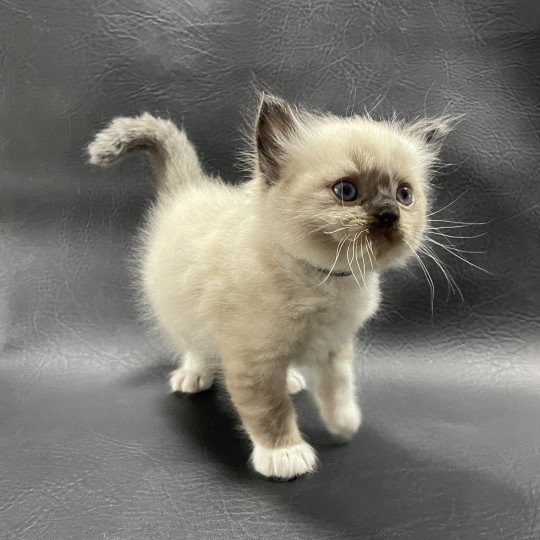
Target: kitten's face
345 192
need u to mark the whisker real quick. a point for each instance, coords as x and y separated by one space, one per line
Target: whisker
453 251
370 248
461 222
356 257
340 245
332 232
431 228
452 285
452 247
427 274
451 236
350 267
362 254
450 204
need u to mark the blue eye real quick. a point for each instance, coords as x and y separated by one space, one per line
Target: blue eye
404 196
345 191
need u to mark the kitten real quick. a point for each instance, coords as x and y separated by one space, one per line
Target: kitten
249 280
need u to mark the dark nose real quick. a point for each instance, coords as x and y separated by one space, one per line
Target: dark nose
387 219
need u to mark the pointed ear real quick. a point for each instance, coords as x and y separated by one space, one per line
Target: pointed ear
276 123
431 130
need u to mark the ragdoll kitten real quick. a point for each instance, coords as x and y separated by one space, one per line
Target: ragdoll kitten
283 269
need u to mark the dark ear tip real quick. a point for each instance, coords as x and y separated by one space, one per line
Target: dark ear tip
276 112
432 130
430 135
271 102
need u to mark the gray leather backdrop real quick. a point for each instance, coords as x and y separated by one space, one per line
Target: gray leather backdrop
91 443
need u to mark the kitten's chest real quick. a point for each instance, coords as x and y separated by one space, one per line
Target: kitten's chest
334 318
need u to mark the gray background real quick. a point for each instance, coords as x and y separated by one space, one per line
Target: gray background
91 443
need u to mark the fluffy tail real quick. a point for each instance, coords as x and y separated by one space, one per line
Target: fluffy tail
172 156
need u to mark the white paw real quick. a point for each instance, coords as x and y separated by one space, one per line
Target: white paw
284 463
344 421
189 381
295 381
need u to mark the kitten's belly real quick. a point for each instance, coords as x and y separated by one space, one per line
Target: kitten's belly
179 261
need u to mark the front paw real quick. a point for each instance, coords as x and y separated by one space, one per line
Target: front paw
188 381
343 422
284 463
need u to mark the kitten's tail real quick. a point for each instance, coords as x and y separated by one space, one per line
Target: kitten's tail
172 156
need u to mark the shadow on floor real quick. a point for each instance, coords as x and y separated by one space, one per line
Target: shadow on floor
373 486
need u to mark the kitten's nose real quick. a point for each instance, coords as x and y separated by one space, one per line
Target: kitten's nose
387 219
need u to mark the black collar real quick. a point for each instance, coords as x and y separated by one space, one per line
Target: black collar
325 271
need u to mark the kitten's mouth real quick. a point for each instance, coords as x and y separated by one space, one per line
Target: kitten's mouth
388 234
383 238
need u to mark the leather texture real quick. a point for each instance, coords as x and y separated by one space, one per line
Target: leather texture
92 445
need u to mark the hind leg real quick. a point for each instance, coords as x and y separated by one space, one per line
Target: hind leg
194 375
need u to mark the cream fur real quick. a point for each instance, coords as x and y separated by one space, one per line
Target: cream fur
230 273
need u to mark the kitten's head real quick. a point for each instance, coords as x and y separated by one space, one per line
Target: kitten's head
341 192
